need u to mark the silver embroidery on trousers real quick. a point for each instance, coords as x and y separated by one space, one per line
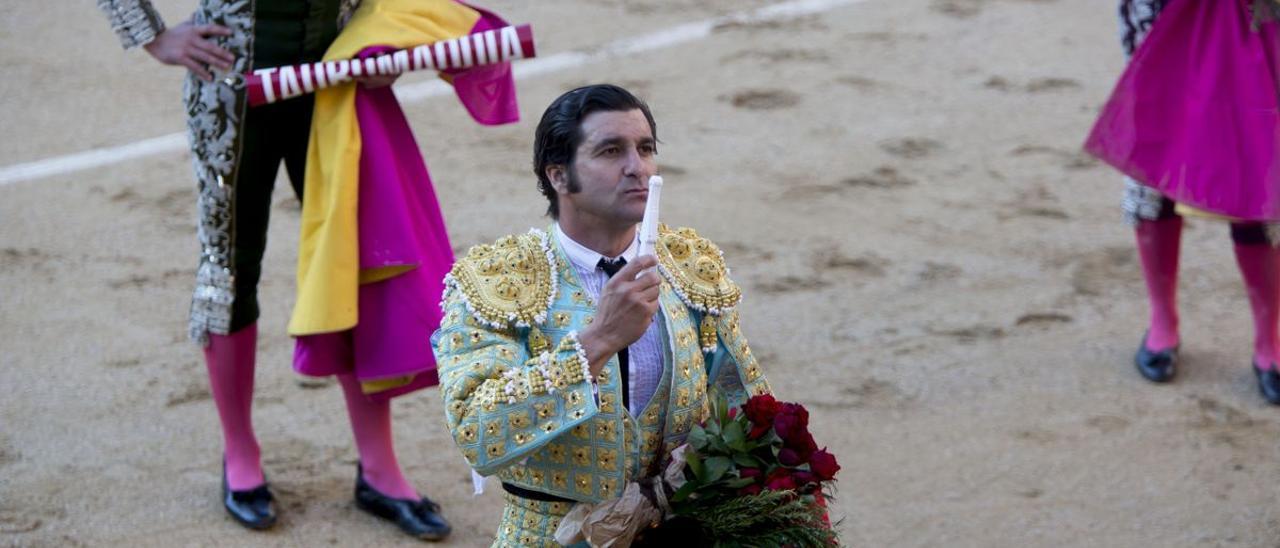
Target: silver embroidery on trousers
215 113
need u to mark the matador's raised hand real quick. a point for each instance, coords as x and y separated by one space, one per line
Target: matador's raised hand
627 305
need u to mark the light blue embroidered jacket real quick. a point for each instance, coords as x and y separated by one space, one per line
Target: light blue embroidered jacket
517 394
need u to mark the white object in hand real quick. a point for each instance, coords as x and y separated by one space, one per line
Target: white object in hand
649 226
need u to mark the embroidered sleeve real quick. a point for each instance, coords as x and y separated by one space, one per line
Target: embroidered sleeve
732 369
135 22
503 402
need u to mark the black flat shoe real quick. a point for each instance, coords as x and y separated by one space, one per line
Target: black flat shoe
1269 383
1156 366
253 508
420 519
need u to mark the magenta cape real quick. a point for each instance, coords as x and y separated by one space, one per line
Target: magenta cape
1196 115
400 224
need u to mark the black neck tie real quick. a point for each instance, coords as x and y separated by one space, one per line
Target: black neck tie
610 268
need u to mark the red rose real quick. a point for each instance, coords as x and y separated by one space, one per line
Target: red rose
789 457
801 441
758 430
791 419
733 412
803 478
761 410
824 465
753 473
780 480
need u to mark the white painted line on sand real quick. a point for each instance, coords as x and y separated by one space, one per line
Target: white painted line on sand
412 93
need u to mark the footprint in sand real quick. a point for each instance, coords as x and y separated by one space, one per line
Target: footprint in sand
123 363
173 203
1036 435
960 9
1211 413
911 147
778 56
1036 85
1042 319
873 392
743 252
808 193
1108 424
969 334
869 265
314 383
997 83
791 284
8 455
861 83
1041 85
14 259
196 391
1103 270
882 177
143 281
13 522
1072 160
1051 213
938 272
177 201
764 99
806 23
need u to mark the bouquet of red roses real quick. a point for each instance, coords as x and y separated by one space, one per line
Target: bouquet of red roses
753 476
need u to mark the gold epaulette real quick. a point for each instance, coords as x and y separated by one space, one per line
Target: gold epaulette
695 268
510 283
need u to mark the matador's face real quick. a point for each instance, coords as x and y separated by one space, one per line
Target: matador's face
611 167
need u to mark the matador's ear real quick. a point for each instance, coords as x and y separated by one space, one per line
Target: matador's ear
559 177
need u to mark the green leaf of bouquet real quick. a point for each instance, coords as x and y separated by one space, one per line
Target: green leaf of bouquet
747 461
713 428
738 483
734 437
695 464
684 491
716 467
698 438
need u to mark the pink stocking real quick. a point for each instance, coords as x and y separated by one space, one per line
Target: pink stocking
1260 267
1158 243
230 361
371 425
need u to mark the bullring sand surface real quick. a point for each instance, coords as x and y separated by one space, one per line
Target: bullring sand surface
931 265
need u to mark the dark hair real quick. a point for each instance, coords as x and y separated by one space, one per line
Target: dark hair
560 131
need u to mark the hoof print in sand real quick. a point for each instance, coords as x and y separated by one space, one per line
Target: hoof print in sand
882 177
911 147
13 522
1042 318
1108 423
192 393
970 334
791 284
960 9
764 99
1041 85
870 265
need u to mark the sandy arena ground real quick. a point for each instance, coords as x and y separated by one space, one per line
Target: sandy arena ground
931 265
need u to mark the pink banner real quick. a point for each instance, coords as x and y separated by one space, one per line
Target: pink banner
489 47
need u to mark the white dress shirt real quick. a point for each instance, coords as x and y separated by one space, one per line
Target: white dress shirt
645 355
